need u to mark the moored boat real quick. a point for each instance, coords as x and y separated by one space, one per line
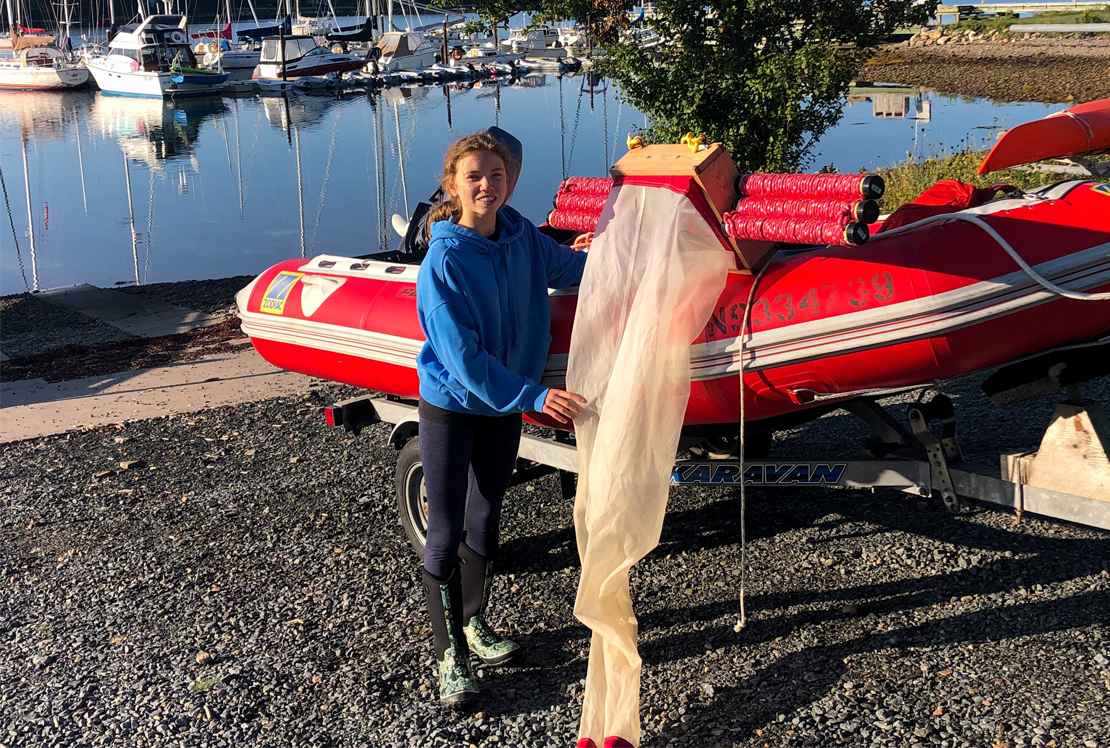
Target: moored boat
36 63
153 58
291 57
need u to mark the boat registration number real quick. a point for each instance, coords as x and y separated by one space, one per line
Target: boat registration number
277 293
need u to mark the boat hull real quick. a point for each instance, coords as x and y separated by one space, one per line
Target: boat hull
293 70
42 79
111 76
920 306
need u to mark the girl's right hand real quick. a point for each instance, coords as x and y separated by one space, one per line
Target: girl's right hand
562 405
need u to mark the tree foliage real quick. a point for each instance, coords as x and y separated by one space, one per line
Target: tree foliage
764 77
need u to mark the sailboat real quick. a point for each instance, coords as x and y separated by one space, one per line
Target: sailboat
35 62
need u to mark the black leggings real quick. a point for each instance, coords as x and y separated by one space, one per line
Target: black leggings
468 462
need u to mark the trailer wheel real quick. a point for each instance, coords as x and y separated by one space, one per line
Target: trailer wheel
726 447
412 499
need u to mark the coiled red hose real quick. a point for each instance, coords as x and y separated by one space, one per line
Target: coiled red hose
864 211
837 232
845 186
588 185
581 202
573 220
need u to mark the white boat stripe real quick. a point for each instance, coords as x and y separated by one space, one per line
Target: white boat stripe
856 331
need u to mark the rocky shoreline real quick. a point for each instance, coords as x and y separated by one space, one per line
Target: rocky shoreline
1041 69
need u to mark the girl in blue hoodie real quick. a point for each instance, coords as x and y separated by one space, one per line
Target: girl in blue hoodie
481 297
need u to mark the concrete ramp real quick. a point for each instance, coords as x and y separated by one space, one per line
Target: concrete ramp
132 313
34 408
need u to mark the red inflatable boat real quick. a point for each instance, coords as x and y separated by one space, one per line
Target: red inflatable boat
930 301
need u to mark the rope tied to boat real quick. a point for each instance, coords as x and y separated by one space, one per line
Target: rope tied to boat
1088 133
745 330
977 220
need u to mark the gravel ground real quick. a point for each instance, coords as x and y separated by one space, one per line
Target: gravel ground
247 584
30 326
1045 70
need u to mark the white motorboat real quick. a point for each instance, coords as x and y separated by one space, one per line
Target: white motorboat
153 58
522 40
405 50
35 63
484 55
292 57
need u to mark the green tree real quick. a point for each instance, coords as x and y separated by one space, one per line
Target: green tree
764 77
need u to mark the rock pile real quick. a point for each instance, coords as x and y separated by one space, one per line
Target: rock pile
928 37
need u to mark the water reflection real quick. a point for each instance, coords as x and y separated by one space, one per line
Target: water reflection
124 190
893 102
155 132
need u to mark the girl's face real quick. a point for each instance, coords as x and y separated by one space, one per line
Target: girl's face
481 185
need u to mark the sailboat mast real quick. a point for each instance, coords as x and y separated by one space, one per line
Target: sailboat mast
112 12
255 15
11 20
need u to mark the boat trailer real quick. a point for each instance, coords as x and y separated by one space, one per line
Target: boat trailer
1067 478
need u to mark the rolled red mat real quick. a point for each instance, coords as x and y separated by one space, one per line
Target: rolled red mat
863 211
573 220
796 231
580 201
589 185
868 187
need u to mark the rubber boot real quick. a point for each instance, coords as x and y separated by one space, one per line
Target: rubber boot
458 688
477 580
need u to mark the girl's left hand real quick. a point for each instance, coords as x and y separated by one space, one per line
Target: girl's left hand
582 241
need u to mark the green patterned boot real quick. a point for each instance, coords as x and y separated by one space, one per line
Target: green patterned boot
458 688
477 579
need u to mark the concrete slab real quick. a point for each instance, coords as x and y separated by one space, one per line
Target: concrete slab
132 313
35 408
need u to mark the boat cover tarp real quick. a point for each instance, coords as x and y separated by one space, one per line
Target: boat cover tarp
261 32
26 42
399 45
655 272
363 33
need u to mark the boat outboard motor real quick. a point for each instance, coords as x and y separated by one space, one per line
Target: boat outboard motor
414 244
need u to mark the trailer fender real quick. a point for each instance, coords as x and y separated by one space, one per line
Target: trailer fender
404 430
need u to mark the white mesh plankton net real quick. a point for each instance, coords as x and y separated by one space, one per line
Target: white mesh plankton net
657 266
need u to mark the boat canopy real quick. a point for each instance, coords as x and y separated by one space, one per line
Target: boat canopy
399 44
296 47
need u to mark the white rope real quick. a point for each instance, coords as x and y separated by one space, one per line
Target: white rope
977 220
1087 131
743 621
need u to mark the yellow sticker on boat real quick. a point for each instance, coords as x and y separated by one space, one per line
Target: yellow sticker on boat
273 302
1102 188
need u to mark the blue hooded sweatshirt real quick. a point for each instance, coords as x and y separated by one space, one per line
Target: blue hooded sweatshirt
483 307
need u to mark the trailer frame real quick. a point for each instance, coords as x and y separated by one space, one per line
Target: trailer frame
916 461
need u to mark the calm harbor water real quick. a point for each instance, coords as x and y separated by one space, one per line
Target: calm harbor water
126 190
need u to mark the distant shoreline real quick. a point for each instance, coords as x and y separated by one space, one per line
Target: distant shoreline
1043 69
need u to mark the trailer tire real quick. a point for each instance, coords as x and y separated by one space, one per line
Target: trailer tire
726 447
412 501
